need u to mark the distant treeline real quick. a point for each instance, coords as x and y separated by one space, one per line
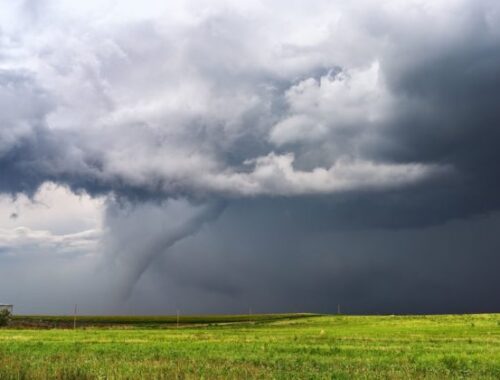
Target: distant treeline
50 321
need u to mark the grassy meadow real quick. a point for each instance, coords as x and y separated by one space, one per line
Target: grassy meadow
280 346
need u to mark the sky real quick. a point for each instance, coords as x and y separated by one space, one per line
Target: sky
274 156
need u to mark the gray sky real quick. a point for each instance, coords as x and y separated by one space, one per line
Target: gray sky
216 156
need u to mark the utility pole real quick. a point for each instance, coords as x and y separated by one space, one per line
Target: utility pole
338 308
74 316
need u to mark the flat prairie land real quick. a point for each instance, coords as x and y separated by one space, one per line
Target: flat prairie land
282 346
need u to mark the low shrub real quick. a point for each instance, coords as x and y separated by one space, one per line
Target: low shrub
4 317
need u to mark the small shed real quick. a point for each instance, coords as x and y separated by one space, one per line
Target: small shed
5 306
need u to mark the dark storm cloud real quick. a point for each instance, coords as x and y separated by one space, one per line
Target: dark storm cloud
24 142
281 265
250 159
448 113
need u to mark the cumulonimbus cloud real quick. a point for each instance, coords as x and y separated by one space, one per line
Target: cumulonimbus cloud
148 115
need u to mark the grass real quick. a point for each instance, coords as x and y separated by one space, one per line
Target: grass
281 347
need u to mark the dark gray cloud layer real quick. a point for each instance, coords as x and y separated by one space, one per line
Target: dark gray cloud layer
353 149
446 268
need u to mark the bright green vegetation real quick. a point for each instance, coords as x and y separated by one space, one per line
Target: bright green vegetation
324 347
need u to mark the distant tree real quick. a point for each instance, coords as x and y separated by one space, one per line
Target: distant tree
4 317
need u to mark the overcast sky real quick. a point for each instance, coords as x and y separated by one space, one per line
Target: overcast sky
216 156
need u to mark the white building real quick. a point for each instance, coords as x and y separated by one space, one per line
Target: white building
7 307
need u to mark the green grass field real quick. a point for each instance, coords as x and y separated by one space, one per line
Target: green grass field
276 346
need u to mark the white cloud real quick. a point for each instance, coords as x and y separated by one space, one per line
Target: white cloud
53 208
349 99
275 175
298 128
23 241
55 222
